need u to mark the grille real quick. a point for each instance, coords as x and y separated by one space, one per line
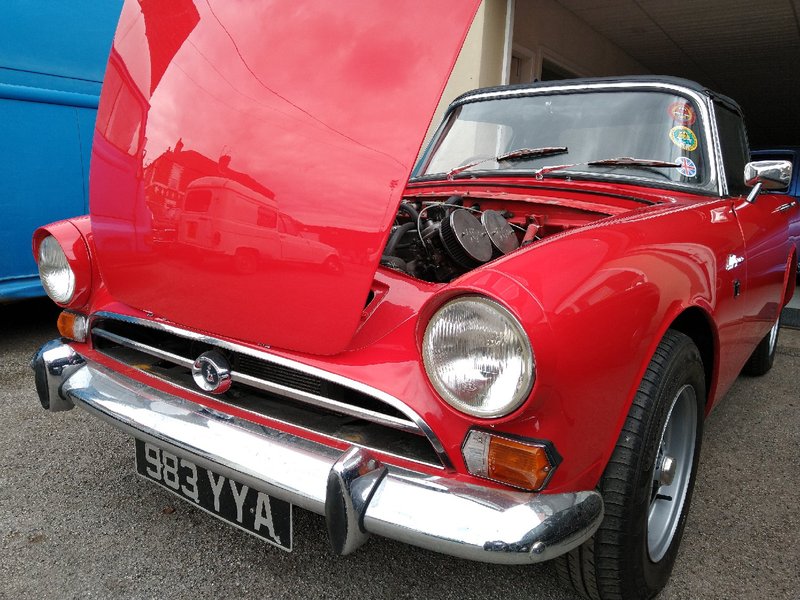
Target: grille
279 374
267 387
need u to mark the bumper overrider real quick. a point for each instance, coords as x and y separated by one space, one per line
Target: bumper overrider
354 490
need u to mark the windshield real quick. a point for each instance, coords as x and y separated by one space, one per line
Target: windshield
593 126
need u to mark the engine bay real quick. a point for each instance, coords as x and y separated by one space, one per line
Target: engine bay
438 240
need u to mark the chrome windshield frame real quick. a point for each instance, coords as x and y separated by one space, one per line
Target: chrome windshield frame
717 182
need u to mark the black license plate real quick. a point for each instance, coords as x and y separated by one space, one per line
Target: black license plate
254 511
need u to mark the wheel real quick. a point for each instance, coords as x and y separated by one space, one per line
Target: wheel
332 264
245 261
648 482
760 361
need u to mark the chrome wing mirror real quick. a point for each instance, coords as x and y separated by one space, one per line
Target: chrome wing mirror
767 175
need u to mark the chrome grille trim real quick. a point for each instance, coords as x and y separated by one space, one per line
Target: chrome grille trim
321 402
275 388
151 350
414 423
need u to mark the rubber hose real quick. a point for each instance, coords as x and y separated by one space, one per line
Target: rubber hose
395 237
409 210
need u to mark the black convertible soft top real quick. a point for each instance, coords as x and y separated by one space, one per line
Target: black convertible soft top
654 79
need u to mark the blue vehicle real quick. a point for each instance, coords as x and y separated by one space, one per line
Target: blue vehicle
53 56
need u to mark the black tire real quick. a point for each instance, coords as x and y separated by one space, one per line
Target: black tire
762 358
628 558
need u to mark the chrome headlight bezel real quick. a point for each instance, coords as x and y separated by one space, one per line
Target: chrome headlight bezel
489 336
55 272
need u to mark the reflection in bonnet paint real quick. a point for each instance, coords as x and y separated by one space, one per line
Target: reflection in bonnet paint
294 140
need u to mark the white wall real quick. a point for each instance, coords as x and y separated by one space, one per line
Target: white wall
541 28
545 29
480 63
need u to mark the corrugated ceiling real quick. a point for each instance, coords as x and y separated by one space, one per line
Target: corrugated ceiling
745 49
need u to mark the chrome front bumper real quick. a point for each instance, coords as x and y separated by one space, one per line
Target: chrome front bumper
356 492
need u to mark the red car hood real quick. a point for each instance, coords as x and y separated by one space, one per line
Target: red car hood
247 163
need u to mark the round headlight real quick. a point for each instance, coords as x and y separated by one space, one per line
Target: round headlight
478 357
57 276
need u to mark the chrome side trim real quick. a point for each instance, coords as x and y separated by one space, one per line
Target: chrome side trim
392 401
785 207
434 512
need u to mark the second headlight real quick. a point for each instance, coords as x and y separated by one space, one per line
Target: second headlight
478 357
58 278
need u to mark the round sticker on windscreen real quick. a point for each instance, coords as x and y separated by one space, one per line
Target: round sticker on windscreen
682 113
687 167
683 137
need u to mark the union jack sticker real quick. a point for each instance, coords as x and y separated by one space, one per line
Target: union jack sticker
687 166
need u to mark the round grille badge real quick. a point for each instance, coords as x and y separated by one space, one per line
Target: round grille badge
212 372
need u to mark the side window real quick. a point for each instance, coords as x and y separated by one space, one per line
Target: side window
267 217
198 201
735 151
119 114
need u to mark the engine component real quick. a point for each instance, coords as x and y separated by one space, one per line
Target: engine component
531 231
501 234
438 241
465 239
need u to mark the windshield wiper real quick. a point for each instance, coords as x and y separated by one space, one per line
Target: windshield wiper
647 164
625 161
519 154
622 161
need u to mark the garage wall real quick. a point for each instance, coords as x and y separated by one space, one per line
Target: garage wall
544 29
480 62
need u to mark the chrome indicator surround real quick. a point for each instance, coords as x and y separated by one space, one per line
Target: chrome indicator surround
412 424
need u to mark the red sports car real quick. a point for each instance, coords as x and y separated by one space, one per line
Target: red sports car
504 353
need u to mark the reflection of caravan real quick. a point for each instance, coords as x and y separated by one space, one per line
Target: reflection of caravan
225 217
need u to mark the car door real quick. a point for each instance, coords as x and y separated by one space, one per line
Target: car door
764 223
792 194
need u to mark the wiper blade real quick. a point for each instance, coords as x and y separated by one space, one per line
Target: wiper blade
528 152
623 161
513 155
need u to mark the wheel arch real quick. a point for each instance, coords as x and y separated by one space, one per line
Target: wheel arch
697 324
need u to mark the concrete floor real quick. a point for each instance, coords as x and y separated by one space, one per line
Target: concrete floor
76 522
795 303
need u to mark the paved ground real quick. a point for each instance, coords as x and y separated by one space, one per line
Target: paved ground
75 522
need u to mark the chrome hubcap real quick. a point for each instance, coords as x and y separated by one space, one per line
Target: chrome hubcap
671 472
667 474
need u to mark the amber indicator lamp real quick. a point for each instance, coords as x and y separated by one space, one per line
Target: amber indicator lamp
517 462
73 326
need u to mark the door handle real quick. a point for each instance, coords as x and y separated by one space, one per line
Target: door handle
785 207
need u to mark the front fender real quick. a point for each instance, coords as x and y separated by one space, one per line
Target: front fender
73 237
607 295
